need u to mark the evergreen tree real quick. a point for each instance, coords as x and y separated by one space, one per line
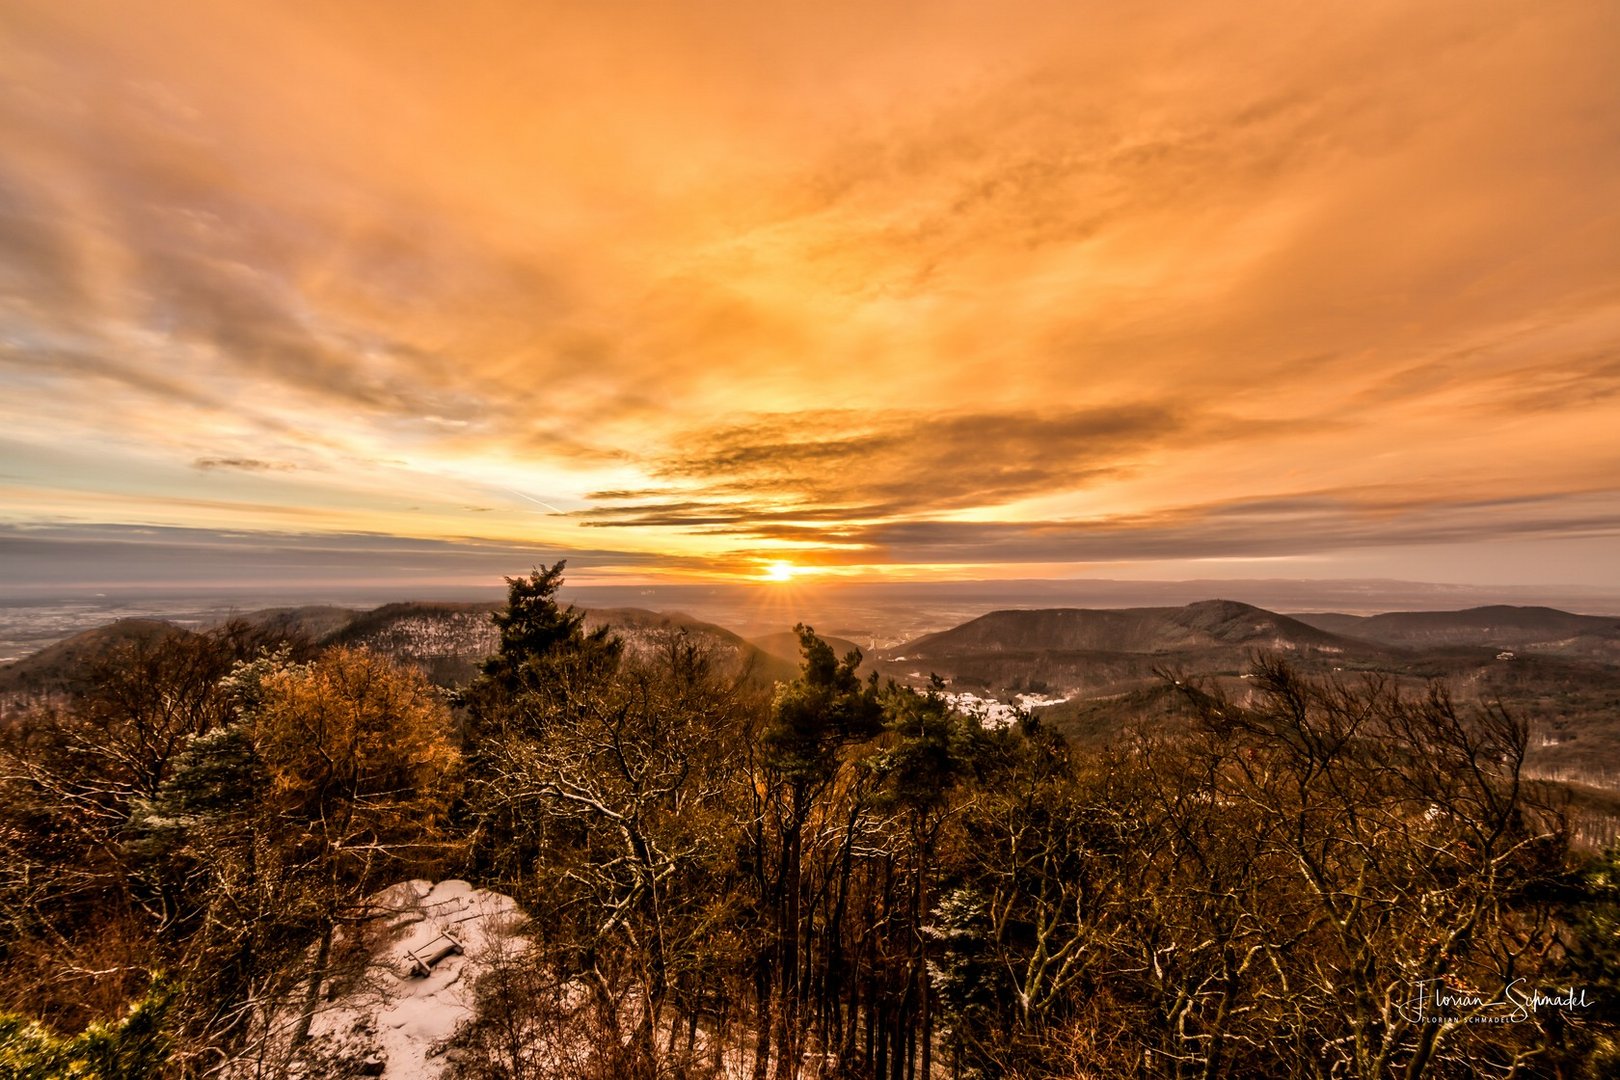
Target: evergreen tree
812 719
825 707
134 1048
544 648
546 669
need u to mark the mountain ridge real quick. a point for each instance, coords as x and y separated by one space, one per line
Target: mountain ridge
1491 626
1205 624
62 665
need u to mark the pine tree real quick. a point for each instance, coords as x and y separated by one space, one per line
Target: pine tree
825 707
134 1048
543 648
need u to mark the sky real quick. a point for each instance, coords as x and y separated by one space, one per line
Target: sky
726 291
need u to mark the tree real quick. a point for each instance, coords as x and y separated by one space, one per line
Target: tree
594 785
1054 853
79 929
545 666
1592 959
634 862
135 1047
1333 851
932 747
813 718
543 648
205 847
360 771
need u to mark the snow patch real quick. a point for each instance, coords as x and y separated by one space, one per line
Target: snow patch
995 714
430 942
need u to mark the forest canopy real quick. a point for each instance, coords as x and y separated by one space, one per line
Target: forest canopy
827 876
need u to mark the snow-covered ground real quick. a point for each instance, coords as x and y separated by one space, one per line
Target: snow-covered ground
998 714
432 942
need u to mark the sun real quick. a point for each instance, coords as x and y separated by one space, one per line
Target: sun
779 571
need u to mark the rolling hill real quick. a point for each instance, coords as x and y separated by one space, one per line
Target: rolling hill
642 630
449 640
1559 672
65 665
317 622
785 646
1502 626
1101 652
445 640
1204 625
1109 664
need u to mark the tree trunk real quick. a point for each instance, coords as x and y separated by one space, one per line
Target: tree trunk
766 1017
927 1029
872 1024
880 1021
312 995
924 999
897 1053
787 1050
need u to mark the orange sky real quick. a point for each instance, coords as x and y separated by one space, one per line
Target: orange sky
948 289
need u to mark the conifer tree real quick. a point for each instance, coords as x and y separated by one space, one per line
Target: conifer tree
136 1047
544 647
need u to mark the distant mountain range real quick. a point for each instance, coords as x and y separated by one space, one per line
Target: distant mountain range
1106 652
1224 625
432 633
446 640
1538 629
1560 669
449 640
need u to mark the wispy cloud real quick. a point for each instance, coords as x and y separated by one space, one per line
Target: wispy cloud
839 466
1026 282
244 464
1315 526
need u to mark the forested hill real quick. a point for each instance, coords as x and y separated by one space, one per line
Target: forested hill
65 665
1501 626
446 641
1207 624
644 631
785 645
1565 677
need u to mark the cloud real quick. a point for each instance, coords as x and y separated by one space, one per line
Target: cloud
996 282
88 372
834 465
243 464
1311 525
